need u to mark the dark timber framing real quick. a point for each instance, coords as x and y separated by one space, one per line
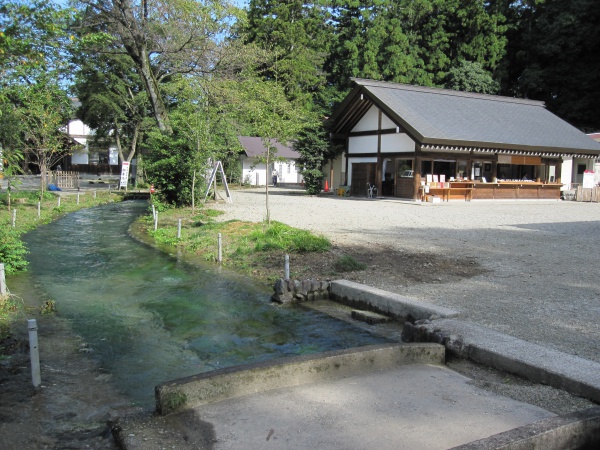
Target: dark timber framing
478 132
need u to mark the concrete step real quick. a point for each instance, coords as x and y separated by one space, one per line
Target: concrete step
369 317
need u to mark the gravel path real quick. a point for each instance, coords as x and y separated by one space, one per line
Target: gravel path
542 285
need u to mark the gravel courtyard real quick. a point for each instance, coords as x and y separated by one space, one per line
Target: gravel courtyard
541 280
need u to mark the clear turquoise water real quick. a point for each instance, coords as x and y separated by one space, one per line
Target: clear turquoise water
150 318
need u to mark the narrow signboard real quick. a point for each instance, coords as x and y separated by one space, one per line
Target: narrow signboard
124 175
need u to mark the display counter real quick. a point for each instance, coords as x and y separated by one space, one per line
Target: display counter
454 190
516 190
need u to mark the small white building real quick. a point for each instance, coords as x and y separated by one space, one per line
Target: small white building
254 170
88 154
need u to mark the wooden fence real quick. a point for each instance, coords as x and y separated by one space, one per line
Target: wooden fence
588 194
63 179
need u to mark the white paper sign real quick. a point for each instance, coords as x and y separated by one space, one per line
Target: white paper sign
588 179
124 174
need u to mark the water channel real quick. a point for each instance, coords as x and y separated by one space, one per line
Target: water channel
149 317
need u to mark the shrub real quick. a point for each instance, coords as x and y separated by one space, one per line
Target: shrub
279 236
12 250
347 263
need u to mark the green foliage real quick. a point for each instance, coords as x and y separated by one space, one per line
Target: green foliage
312 146
472 77
165 236
297 35
12 250
48 307
556 56
173 401
8 307
113 100
347 263
282 237
414 42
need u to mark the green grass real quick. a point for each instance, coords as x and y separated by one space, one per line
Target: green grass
246 246
347 263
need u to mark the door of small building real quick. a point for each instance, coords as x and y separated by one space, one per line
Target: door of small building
362 173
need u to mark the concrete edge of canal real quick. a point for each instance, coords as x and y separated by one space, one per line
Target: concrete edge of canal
248 379
576 375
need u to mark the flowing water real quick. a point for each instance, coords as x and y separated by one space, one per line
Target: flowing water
149 317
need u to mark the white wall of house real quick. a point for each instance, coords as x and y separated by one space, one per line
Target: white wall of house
80 158
566 173
399 142
256 174
77 129
370 121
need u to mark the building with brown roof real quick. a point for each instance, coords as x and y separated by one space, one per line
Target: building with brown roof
254 170
406 140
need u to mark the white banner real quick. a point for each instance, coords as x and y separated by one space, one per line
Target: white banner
124 175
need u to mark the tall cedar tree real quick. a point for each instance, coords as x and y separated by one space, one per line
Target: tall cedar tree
562 65
415 42
297 34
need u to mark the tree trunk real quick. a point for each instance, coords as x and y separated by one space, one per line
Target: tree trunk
151 85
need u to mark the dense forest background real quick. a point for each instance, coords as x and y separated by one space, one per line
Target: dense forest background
180 79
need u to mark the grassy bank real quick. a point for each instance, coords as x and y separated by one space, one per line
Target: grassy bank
256 249
12 251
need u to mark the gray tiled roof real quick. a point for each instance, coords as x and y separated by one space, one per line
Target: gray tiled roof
447 117
254 146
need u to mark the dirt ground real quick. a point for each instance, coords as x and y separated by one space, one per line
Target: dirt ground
76 407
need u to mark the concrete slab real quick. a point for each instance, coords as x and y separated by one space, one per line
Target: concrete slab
408 407
540 364
385 302
580 430
236 381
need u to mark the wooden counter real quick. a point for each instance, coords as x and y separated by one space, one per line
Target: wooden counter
517 190
457 190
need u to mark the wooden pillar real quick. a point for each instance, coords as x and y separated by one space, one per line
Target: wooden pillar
417 173
346 180
470 166
331 174
379 169
495 169
558 171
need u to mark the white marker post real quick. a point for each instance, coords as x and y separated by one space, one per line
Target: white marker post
286 267
39 209
220 254
179 229
14 218
3 289
34 353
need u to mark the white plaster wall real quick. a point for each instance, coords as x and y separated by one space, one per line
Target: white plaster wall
392 143
386 122
362 144
250 169
566 172
78 128
370 121
113 156
79 158
288 172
